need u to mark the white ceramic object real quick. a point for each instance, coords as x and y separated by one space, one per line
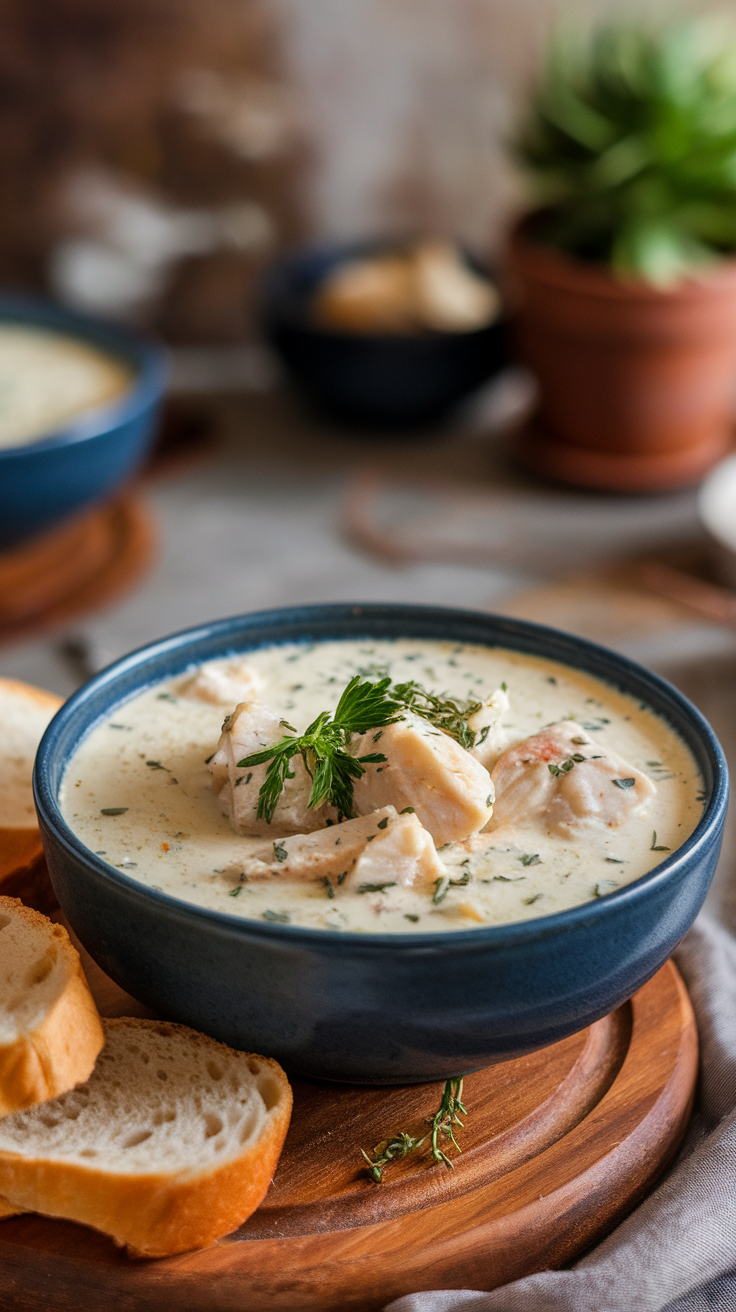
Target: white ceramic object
717 509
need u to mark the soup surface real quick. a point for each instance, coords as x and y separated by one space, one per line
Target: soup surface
139 792
47 379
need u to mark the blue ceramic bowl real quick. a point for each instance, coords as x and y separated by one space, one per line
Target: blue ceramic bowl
378 379
43 482
378 1008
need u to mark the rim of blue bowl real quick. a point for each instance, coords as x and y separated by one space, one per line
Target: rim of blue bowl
146 357
417 941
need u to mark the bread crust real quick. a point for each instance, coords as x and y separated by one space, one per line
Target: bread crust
60 1052
155 1215
20 847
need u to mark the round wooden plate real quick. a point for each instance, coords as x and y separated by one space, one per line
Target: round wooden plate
74 569
557 1148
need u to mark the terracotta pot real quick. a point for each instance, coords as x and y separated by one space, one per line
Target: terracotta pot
636 384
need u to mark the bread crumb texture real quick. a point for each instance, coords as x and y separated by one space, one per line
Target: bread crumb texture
50 1032
171 1143
24 715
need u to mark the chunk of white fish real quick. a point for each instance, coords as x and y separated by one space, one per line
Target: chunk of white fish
251 727
450 791
383 848
540 779
490 738
223 683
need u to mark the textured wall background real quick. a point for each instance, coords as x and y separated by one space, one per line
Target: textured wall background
406 104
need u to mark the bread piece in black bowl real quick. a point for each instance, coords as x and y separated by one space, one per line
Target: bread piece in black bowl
391 373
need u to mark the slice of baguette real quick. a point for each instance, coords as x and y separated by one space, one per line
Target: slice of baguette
50 1032
171 1143
24 715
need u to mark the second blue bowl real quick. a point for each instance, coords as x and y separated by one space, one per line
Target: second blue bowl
44 482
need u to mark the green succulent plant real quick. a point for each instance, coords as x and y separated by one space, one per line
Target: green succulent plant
631 144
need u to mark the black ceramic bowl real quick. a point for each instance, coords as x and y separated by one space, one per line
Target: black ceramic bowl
378 1008
380 379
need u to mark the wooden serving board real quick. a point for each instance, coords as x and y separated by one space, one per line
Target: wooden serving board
84 564
558 1147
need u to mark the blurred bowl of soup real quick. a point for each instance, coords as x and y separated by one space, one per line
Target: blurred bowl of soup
385 334
79 400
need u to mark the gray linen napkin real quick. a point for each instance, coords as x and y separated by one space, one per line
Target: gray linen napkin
677 1251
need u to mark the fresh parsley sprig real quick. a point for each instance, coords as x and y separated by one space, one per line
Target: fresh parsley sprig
324 749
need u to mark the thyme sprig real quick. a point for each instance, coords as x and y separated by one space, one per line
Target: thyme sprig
442 1123
450 714
324 749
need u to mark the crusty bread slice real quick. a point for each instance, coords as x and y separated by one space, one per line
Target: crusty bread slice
50 1032
171 1143
24 715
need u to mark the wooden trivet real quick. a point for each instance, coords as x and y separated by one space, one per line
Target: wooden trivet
559 1146
74 569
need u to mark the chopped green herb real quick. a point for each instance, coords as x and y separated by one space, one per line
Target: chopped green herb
483 734
614 861
530 859
450 714
156 765
101 852
550 679
328 886
580 742
280 852
504 687
342 877
565 766
235 892
462 881
165 697
654 847
408 810
529 900
408 916
623 783
113 810
383 823
655 763
605 886
279 917
376 888
441 886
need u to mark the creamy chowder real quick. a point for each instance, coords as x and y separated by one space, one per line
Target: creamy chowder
48 379
592 790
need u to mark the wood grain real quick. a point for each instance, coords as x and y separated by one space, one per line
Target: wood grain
558 1147
76 568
